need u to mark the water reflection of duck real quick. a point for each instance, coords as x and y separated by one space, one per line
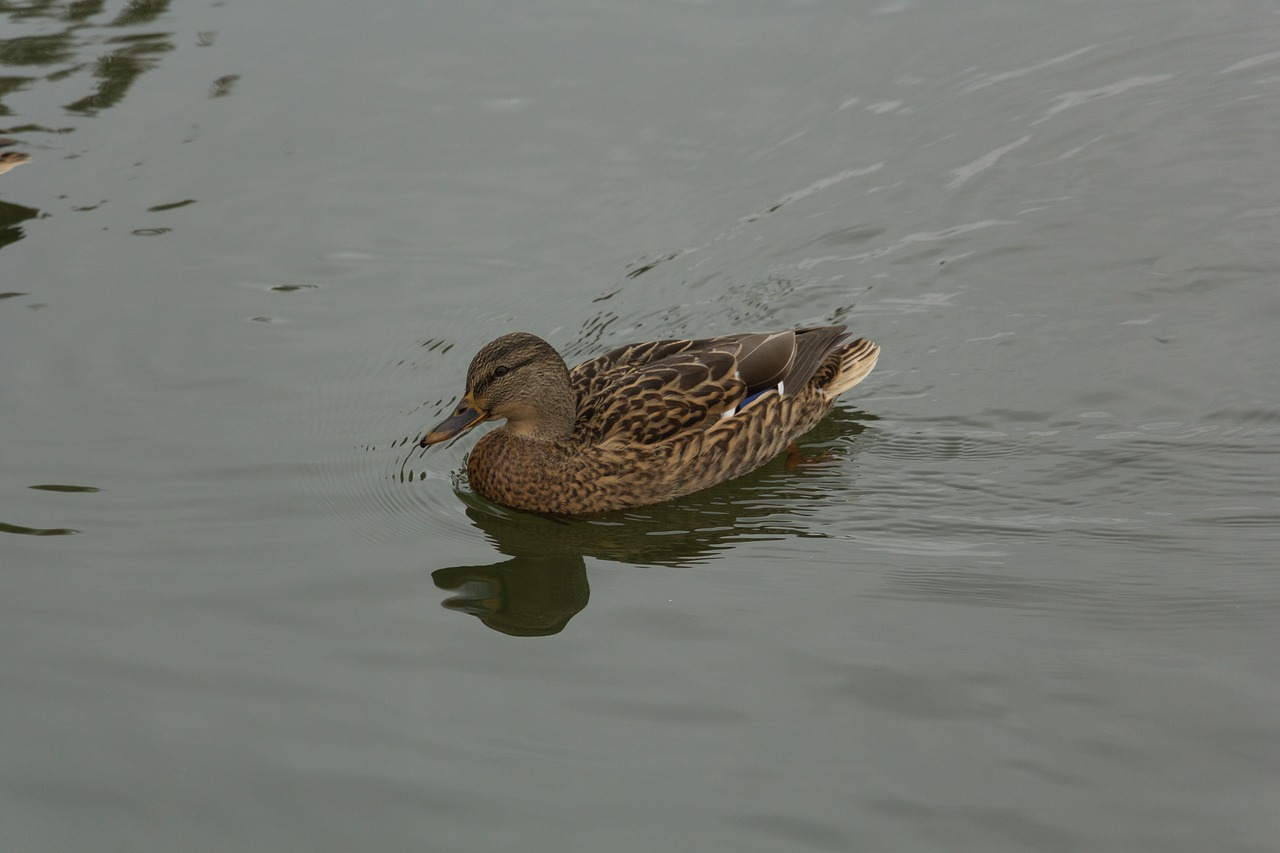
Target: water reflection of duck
525 596
544 583
647 422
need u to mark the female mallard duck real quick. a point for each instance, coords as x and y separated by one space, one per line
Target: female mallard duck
646 422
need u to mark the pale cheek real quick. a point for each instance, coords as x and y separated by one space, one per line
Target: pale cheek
519 426
513 411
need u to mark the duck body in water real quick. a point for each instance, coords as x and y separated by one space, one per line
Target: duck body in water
646 422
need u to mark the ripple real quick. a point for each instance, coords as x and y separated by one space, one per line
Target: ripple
995 487
943 444
53 487
36 531
367 483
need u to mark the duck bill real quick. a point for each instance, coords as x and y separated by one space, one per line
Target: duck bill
463 418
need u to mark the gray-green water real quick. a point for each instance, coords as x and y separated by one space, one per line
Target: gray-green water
1029 602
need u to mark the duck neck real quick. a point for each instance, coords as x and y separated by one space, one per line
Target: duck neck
551 420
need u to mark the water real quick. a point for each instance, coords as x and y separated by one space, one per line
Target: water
1025 599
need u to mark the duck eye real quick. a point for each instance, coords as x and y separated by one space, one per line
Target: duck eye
501 370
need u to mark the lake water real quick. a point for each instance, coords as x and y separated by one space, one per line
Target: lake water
1027 597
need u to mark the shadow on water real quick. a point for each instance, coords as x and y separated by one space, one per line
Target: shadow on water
61 32
53 42
10 216
544 583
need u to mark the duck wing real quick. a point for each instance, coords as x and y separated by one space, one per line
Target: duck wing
648 402
650 391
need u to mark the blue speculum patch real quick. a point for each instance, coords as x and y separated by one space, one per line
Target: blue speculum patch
751 398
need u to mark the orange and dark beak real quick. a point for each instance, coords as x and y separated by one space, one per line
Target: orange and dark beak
467 415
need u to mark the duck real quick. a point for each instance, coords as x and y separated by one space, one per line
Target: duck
11 159
646 422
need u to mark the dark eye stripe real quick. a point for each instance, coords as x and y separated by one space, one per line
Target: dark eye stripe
516 366
483 383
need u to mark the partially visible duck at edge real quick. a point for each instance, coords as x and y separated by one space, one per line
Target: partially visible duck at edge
11 159
646 422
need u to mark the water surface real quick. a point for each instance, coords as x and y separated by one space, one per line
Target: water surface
1026 600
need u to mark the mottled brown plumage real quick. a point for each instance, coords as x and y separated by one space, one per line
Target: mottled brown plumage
11 159
646 422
